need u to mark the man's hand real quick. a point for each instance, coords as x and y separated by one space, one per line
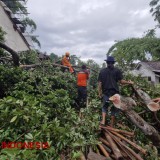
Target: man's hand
130 82
126 82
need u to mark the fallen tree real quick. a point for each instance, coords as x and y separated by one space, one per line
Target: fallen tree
126 105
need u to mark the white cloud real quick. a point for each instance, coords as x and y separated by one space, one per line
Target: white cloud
88 28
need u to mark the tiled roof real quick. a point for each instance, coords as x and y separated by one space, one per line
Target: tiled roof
155 65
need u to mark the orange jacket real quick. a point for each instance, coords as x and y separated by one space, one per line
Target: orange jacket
65 61
82 78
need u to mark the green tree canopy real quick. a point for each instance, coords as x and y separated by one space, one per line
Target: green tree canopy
130 50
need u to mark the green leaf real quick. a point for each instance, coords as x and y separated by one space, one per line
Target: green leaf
13 119
29 136
21 103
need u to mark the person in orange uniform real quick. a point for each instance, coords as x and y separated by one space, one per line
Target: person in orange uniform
82 78
66 61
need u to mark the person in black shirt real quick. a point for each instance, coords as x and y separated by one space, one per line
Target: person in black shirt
108 86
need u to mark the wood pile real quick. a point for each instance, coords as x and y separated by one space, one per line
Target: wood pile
117 144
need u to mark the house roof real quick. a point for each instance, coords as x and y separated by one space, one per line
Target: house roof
15 22
154 65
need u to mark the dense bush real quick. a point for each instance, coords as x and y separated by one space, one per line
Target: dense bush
38 105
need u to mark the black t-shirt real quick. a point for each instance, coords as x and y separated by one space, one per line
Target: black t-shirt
109 79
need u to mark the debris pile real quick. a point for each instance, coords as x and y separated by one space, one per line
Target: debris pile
118 145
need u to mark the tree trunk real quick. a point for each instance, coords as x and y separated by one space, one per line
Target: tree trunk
142 95
127 104
148 130
12 52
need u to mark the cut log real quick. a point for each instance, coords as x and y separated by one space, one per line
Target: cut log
148 130
119 131
114 147
130 142
103 151
124 152
142 95
94 156
126 106
40 64
104 141
127 149
107 148
146 99
82 157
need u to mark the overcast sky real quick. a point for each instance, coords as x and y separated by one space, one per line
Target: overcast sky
88 28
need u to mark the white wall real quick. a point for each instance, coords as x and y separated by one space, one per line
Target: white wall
145 71
12 39
157 79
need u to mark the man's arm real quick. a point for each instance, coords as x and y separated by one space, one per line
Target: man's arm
100 89
126 82
66 62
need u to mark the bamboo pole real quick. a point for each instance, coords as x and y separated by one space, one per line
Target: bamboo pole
82 157
104 141
107 148
114 147
123 150
126 148
144 151
103 150
119 131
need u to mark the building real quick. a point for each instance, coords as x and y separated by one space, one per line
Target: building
149 70
14 37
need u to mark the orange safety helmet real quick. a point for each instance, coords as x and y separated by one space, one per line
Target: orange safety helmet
67 54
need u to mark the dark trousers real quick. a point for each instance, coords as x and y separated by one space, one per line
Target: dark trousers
82 96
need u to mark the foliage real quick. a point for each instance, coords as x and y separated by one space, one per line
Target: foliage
54 58
128 51
43 100
2 33
27 21
8 78
38 105
15 6
94 71
28 57
155 6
